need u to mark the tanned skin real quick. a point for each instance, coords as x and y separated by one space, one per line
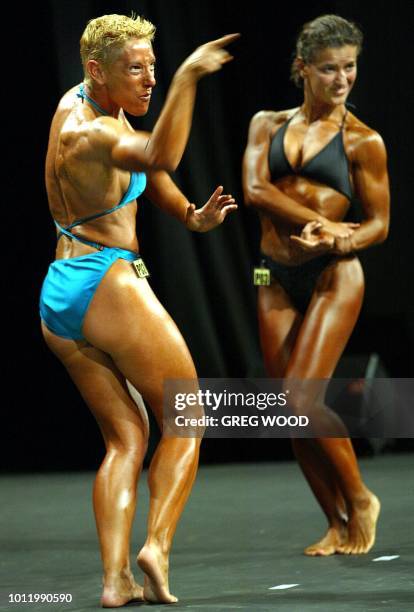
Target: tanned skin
302 219
128 333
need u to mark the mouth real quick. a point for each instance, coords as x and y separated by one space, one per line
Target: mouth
145 97
340 92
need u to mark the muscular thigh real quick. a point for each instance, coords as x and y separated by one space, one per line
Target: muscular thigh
104 389
126 320
329 320
279 323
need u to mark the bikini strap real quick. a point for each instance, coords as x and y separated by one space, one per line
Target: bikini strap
66 232
84 96
108 211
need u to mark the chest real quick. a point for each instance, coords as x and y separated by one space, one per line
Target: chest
314 152
302 143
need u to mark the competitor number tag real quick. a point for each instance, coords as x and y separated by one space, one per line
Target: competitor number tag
140 268
261 276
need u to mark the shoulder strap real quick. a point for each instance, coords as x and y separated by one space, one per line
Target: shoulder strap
84 96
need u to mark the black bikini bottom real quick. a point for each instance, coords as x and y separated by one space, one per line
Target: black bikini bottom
298 281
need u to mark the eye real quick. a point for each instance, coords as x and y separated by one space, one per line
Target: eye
140 68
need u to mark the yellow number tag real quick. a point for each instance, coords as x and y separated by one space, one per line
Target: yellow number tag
261 277
140 268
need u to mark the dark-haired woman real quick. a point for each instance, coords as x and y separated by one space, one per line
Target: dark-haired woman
302 168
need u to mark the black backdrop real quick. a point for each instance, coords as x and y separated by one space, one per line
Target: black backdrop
203 280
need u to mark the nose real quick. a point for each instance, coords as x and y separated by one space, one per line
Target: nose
341 77
149 78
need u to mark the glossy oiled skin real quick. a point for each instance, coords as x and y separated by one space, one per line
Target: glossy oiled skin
79 185
302 143
128 334
302 219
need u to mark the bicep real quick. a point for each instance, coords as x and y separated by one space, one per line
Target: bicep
255 160
371 179
128 151
117 145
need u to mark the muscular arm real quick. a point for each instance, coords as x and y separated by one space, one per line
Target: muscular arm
258 190
372 189
164 193
165 147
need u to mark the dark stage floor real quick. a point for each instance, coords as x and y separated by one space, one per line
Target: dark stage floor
241 534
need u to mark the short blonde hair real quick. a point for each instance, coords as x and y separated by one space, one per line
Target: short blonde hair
106 35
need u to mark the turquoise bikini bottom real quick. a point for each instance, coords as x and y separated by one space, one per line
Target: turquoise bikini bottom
69 287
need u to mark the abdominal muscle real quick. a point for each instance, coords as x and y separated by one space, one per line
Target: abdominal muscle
276 232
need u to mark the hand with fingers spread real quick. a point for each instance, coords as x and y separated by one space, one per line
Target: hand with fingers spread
209 57
212 213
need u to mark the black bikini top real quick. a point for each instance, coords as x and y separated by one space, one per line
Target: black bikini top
330 166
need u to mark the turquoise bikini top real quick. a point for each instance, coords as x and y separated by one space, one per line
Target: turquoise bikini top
136 186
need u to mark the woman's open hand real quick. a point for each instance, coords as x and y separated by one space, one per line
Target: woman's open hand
212 213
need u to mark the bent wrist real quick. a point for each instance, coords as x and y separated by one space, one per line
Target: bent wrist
190 218
343 246
187 74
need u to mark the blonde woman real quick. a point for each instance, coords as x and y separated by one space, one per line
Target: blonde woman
99 314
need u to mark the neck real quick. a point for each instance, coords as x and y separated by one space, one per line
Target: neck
314 110
100 101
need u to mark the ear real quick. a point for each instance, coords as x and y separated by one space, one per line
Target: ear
301 67
95 72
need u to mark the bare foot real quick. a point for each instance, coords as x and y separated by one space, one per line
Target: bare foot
361 526
155 566
120 590
334 538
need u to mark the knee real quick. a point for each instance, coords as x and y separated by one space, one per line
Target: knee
304 397
298 403
131 449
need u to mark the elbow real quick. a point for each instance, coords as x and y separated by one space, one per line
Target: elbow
247 199
160 157
164 164
161 161
252 195
383 231
135 153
